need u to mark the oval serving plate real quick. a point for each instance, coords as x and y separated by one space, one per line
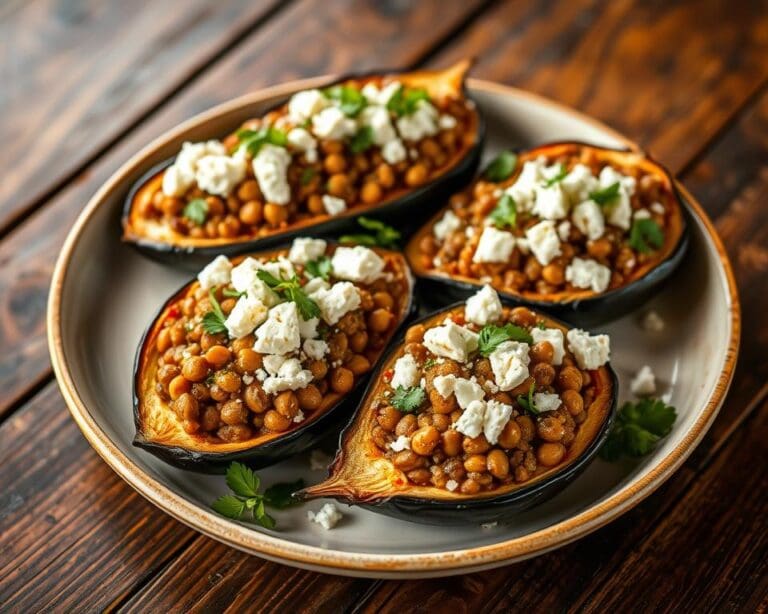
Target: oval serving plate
103 294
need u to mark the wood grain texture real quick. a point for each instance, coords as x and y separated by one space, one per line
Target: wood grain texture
384 33
74 78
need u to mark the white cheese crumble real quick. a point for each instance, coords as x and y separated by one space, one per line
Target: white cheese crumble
551 202
494 246
546 401
279 334
555 338
374 95
471 421
588 274
483 307
290 376
524 188
333 204
543 241
331 123
658 208
393 151
446 122
446 225
451 341
591 351
315 349
466 390
579 183
451 485
270 166
641 214
497 415
180 176
245 279
419 124
303 105
620 209
246 315
400 444
357 263
377 118
406 372
304 249
509 363
564 230
653 322
336 301
644 382
301 140
217 174
328 516
218 272
588 218
308 328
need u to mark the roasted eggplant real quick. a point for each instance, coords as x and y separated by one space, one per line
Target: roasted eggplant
258 361
502 425
582 232
312 165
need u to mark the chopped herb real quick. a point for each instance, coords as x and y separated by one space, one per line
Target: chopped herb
492 336
408 399
526 401
253 140
213 321
232 293
280 495
607 195
291 290
196 211
245 484
501 167
505 212
319 268
383 235
429 363
351 101
645 236
541 325
307 175
406 101
638 428
561 174
362 140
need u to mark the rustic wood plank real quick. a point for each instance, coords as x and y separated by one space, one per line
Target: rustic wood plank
74 78
383 33
72 533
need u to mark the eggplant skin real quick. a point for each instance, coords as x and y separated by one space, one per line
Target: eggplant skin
462 510
274 450
436 289
411 208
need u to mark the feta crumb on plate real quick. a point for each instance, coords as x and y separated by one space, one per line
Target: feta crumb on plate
327 517
644 382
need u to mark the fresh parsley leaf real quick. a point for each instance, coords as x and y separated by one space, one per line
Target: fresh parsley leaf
307 175
261 516
526 401
638 428
362 140
213 321
319 268
280 495
505 212
541 325
253 140
501 167
383 235
242 480
561 174
406 101
492 336
607 195
229 506
429 363
196 211
645 236
232 293
408 399
351 101
291 290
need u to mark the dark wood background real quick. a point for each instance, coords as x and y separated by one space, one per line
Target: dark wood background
86 83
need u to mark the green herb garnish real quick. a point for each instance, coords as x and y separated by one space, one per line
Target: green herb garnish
541 325
213 321
351 101
638 428
406 101
291 290
505 212
492 336
196 211
253 140
383 235
501 167
429 363
561 174
607 195
319 268
526 401
307 175
232 293
408 399
362 140
280 496
645 236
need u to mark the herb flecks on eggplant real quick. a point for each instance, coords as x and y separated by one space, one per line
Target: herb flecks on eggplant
262 356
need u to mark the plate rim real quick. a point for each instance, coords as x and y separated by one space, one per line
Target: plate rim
332 561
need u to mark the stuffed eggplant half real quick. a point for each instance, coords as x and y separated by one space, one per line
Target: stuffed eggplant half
583 232
480 411
263 355
387 145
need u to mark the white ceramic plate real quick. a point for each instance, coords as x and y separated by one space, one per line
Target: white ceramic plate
104 294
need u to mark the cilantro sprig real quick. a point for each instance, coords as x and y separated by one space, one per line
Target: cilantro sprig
196 211
362 140
638 428
504 214
290 289
561 174
383 235
645 236
492 336
247 500
606 196
253 140
408 400
406 101
321 267
501 167
232 293
526 401
350 100
213 321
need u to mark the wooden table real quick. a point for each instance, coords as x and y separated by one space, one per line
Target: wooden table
85 84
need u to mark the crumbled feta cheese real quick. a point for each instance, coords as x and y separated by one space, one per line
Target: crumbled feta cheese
588 274
400 444
579 183
248 379
270 166
304 249
524 189
641 214
483 307
591 351
543 241
308 328
444 385
564 230
393 151
555 338
467 391
299 417
496 417
315 349
451 485
290 376
357 263
245 279
319 460
374 95
176 182
273 362
301 140
620 209
406 372
341 298
551 202
451 341
331 123
658 208
546 401
472 419
280 267
644 382
509 363
245 316
588 218
653 322
446 122
315 284
279 334
303 105
219 174
333 205
494 246
419 124
218 272
180 176
328 516
446 225
377 119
